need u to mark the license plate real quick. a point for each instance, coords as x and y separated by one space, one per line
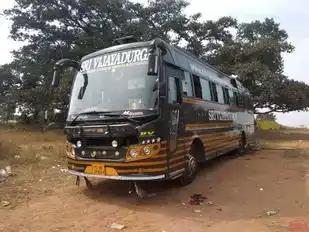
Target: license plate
95 169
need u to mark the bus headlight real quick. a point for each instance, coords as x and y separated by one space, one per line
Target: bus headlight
79 143
146 150
133 153
114 143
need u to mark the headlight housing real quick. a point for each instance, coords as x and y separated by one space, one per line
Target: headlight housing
146 150
114 143
70 150
133 153
79 143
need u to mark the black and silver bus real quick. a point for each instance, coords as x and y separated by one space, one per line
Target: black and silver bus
151 111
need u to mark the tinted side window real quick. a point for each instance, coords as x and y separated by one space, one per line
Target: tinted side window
236 97
220 94
232 98
172 90
226 96
214 94
187 85
205 89
197 86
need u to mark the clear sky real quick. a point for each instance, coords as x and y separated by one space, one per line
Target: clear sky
293 16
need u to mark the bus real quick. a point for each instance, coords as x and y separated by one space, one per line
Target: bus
146 111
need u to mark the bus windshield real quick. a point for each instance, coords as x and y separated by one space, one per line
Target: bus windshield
115 88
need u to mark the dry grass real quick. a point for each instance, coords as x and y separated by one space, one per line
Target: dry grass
35 158
296 154
30 147
294 142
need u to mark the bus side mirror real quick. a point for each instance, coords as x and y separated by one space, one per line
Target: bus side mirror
61 65
153 60
158 86
56 78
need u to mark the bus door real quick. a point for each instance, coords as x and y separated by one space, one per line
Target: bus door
173 109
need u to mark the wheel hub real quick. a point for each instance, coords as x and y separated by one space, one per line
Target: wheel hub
192 165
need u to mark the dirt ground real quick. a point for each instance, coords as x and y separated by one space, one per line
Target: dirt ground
241 191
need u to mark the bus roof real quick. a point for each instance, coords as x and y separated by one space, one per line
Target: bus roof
116 48
180 58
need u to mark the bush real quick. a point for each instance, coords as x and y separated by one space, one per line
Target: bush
267 125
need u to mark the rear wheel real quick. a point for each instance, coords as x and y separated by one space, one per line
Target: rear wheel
191 170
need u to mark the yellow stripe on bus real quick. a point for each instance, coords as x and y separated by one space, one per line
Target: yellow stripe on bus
190 100
205 135
209 139
158 156
180 145
177 164
177 158
209 125
214 142
221 145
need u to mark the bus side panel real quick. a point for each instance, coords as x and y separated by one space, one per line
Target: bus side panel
217 136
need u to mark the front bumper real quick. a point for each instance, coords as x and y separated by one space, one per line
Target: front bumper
157 177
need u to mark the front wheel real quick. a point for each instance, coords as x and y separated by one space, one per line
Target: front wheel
191 170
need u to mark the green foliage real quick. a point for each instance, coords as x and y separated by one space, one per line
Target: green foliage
8 83
255 57
262 124
53 29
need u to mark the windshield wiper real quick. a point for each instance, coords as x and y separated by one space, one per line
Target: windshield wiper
94 112
85 113
121 116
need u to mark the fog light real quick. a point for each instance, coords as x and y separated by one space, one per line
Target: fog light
83 153
103 152
79 143
93 154
153 141
117 153
114 143
146 151
158 139
133 153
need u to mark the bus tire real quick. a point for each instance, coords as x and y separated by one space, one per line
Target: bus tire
242 147
190 172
